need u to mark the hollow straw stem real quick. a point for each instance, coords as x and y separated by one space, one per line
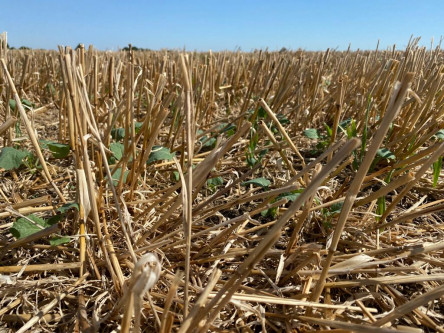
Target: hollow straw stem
282 130
338 111
40 268
411 216
64 62
188 210
191 320
230 287
7 124
385 189
411 305
80 106
139 164
200 174
435 155
168 301
278 147
45 309
395 106
88 115
30 130
35 236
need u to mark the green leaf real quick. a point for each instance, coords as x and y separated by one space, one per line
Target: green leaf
251 161
332 210
50 89
351 130
208 143
261 114
439 135
253 139
214 182
12 104
118 133
27 103
117 148
59 240
344 124
22 227
116 176
138 126
336 208
55 219
68 206
282 119
159 153
229 129
176 176
437 167
329 130
272 212
58 150
18 131
261 182
385 153
250 156
290 196
311 133
262 153
44 143
380 209
221 128
11 158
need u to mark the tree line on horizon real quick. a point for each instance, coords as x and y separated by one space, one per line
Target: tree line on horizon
126 48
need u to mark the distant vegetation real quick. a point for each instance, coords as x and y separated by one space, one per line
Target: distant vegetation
20 48
135 48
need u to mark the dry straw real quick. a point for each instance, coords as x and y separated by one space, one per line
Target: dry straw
281 191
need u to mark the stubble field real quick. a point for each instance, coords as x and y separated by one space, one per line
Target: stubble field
179 191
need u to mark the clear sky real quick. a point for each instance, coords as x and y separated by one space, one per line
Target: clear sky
221 25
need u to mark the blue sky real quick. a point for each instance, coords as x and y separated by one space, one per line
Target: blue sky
221 25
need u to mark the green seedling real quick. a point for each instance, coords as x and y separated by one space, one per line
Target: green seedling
259 182
58 150
214 183
11 158
159 153
29 225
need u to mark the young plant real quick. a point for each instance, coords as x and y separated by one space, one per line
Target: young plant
214 183
323 140
250 153
58 150
329 212
381 204
29 225
12 158
259 182
437 167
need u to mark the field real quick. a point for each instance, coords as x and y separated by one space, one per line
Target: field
176 191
